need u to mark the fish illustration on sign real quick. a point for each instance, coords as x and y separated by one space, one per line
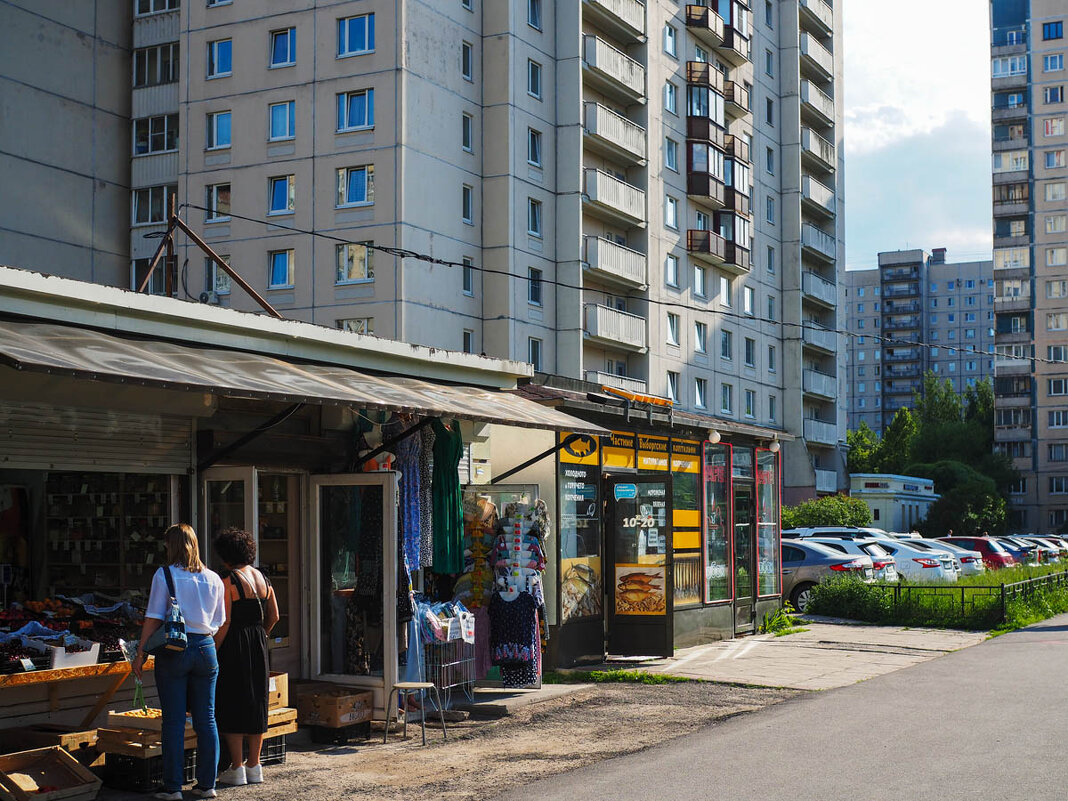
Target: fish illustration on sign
581 447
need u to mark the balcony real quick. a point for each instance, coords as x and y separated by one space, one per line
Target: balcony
707 246
900 274
1006 365
704 74
737 148
705 24
819 289
1011 208
817 337
1021 241
1009 113
821 384
626 18
616 263
826 480
737 99
817 103
737 202
618 381
735 48
817 243
901 387
817 149
903 291
614 134
819 15
705 188
903 371
1011 303
909 323
819 432
703 129
816 57
1021 433
1010 143
1005 82
737 259
902 356
613 71
816 196
902 306
616 328
610 197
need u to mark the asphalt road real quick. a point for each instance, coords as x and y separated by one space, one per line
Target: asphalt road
987 722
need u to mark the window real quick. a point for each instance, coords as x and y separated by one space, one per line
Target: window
1053 63
356 186
468 281
468 341
220 58
533 147
1055 223
150 204
1053 94
771 307
214 3
671 154
671 212
700 393
1057 386
534 79
1055 191
280 195
671 270
1058 452
1058 418
156 65
284 48
1056 257
726 344
673 386
1054 159
534 286
1054 289
534 353
700 337
356 110
671 41
771 260
750 403
534 14
355 35
467 4
355 263
467 204
218 135
750 352
156 134
1052 30
769 112
772 354
357 325
281 120
768 14
726 398
1008 65
770 210
671 98
467 132
700 281
672 328
769 161
533 217
769 62
1011 161
1058 485
725 291
218 203
467 61
748 300
280 269
221 282
156 6
1057 322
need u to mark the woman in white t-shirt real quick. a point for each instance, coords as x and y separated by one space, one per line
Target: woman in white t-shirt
186 679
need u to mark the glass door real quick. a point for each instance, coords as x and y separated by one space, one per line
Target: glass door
355 580
278 515
744 561
229 494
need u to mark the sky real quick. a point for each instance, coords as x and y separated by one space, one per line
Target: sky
917 128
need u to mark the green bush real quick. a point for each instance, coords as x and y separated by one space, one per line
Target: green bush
831 510
850 598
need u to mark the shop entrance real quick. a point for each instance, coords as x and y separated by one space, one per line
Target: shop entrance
744 560
639 573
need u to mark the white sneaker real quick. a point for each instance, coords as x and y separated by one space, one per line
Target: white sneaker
204 792
233 776
254 774
163 795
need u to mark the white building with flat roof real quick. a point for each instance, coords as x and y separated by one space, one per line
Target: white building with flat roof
897 503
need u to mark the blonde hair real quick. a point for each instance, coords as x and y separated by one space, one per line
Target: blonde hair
182 547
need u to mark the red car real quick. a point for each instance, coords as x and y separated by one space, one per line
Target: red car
995 555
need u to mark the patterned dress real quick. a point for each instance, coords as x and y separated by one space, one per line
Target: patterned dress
426 498
409 452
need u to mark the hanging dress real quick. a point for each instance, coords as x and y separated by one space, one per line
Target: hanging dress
448 502
241 690
409 453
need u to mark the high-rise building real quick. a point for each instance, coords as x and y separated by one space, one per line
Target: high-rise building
1030 255
916 312
645 196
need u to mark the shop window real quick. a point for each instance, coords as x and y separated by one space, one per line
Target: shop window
717 533
767 491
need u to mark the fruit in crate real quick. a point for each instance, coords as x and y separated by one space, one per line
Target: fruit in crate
148 713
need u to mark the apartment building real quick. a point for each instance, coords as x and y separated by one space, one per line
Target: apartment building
915 297
645 196
1030 173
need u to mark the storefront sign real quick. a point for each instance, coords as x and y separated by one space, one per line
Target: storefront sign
640 590
625 491
617 451
579 487
652 452
584 449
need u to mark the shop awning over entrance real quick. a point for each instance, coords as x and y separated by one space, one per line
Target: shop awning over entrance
90 354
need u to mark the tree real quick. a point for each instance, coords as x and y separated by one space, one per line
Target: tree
864 447
895 451
831 510
937 402
969 509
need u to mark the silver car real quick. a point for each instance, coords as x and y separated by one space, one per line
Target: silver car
882 562
805 564
969 563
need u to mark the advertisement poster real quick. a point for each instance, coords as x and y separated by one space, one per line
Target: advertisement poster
640 590
578 480
581 591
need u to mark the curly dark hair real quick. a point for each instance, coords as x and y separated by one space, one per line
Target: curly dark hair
236 547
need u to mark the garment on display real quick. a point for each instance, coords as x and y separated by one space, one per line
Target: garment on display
448 506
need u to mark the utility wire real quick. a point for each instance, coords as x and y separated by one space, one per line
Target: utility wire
403 253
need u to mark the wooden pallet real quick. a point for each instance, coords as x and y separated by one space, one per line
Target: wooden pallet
146 743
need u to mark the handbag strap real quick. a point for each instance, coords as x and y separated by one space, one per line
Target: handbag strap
170 582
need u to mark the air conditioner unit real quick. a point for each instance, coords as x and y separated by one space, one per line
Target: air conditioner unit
210 298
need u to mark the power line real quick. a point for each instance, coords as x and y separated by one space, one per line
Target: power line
404 253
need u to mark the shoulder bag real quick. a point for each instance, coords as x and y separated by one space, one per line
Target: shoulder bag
171 635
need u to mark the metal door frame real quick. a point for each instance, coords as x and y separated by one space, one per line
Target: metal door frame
750 488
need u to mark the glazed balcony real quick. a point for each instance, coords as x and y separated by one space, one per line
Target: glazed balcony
613 71
738 260
817 242
826 481
819 289
625 18
818 15
900 274
616 328
607 196
738 202
1011 303
902 356
817 149
907 323
623 382
903 371
816 58
615 263
703 129
817 103
705 24
816 337
737 148
707 246
737 99
707 189
902 291
816 196
735 48
902 307
614 134
821 432
820 384
704 74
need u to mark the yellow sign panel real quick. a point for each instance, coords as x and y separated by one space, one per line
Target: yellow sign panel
685 456
583 450
618 450
652 452
685 518
686 540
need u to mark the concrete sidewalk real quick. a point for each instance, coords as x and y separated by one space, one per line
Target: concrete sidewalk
830 654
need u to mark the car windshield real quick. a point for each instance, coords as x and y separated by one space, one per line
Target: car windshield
996 547
874 549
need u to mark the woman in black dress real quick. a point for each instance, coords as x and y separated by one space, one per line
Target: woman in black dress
241 694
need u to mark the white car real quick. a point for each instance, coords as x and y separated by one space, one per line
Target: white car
884 565
970 562
918 564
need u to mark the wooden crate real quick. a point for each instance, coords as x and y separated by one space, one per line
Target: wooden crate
79 744
24 774
129 720
138 743
281 721
278 691
334 706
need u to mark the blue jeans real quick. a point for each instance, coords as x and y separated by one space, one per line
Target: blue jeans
186 680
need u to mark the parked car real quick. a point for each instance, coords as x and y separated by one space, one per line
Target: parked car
1060 542
806 564
995 555
969 563
906 535
1051 550
838 532
882 562
913 564
1025 553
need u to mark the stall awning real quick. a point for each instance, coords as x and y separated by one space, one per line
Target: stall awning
90 354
